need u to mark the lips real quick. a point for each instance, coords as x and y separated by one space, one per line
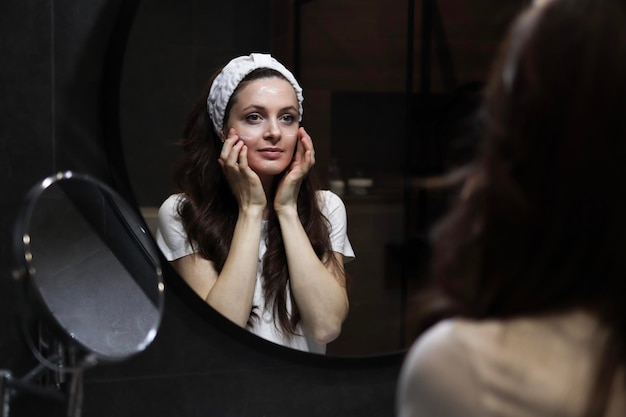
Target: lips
271 153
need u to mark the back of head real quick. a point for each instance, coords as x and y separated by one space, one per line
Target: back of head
545 225
559 85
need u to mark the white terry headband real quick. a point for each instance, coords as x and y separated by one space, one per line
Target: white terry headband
231 75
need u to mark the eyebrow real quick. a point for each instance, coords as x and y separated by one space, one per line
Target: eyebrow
257 107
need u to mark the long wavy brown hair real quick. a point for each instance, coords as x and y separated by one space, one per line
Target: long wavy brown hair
210 210
542 227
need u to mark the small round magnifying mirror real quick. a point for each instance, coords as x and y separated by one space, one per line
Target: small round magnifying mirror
89 269
90 287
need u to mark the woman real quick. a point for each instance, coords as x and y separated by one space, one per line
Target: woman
532 258
250 232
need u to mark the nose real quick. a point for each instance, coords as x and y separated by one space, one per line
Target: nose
273 131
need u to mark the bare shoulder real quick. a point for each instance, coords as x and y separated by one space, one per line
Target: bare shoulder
436 347
519 363
437 377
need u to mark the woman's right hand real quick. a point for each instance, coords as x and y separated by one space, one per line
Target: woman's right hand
244 182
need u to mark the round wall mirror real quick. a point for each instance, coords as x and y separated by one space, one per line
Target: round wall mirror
163 71
171 51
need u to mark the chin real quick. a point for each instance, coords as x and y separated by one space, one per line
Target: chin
275 173
270 169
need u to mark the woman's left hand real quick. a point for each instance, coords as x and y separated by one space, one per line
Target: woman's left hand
303 161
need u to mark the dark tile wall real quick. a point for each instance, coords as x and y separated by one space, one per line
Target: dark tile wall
173 49
54 116
49 119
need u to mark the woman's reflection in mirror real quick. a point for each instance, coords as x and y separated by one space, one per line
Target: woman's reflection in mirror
532 258
250 230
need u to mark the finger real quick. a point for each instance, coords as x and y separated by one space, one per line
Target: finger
234 155
228 144
243 157
307 145
298 154
303 133
309 158
304 143
230 153
306 140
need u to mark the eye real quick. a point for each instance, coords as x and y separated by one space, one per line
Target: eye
253 117
288 118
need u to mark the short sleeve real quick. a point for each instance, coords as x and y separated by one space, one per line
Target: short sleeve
334 210
437 378
170 235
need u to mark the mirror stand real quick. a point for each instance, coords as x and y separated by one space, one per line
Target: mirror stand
57 377
72 395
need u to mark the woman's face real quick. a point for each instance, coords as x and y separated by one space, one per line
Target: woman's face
264 114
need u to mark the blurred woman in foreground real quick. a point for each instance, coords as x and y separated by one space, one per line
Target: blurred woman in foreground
531 261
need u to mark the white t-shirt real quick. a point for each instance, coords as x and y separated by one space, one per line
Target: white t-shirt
172 240
525 367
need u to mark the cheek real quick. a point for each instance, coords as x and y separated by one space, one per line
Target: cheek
291 141
249 133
